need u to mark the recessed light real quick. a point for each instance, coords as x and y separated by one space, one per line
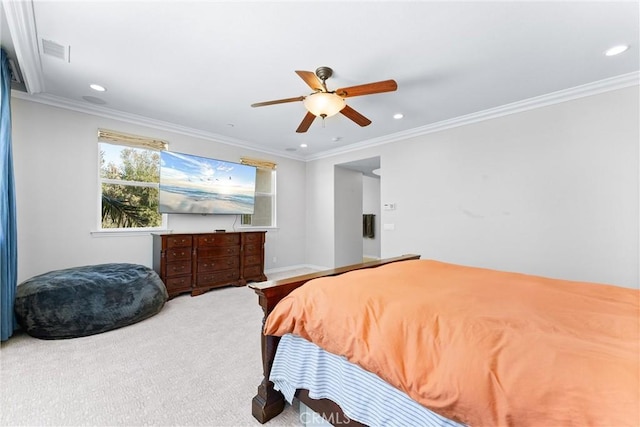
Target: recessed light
336 138
616 50
303 145
97 87
398 116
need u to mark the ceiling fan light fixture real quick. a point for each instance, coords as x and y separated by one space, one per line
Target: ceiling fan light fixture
324 104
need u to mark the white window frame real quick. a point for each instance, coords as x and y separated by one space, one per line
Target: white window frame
273 195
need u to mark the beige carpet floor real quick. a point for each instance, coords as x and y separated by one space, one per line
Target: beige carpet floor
196 363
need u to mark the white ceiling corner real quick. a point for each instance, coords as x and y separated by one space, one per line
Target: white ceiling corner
21 23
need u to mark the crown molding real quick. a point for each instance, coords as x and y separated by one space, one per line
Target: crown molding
594 88
68 104
22 27
589 89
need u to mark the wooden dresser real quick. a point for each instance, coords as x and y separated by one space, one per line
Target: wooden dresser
198 262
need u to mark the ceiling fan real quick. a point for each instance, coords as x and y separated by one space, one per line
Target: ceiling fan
325 103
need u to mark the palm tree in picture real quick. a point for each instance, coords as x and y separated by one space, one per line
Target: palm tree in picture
130 189
120 213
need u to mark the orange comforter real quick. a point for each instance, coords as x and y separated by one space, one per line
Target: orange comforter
479 346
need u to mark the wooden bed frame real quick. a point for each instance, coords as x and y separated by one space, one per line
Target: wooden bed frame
269 402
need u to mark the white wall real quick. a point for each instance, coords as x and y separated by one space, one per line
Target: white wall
56 170
551 191
320 214
371 205
347 217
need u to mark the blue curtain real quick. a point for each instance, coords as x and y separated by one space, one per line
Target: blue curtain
8 246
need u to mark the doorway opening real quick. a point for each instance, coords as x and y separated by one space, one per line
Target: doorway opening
357 211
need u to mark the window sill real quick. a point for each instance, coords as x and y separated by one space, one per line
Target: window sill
124 233
255 228
147 231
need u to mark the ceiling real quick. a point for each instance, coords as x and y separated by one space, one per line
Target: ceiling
198 66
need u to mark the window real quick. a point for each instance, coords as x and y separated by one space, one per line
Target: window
129 182
264 213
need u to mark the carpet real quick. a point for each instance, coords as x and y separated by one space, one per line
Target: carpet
196 363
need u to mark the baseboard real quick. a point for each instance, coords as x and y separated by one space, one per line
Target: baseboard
317 267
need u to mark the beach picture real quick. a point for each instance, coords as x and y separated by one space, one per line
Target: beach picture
199 185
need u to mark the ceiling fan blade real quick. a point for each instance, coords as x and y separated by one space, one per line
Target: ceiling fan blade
368 88
355 116
277 101
306 122
311 79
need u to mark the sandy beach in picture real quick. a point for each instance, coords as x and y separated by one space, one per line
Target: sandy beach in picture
199 185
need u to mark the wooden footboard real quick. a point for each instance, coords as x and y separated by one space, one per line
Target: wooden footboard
268 402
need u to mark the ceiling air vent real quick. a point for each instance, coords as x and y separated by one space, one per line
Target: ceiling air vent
56 50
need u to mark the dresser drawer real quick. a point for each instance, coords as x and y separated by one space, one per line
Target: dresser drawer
218 252
179 241
215 264
219 239
253 271
253 237
177 268
252 248
178 283
177 253
225 276
252 260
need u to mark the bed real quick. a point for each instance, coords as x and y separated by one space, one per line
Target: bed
464 345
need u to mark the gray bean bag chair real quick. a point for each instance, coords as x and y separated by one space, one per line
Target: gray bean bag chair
88 300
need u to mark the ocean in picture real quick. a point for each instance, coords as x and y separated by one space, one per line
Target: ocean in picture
199 185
